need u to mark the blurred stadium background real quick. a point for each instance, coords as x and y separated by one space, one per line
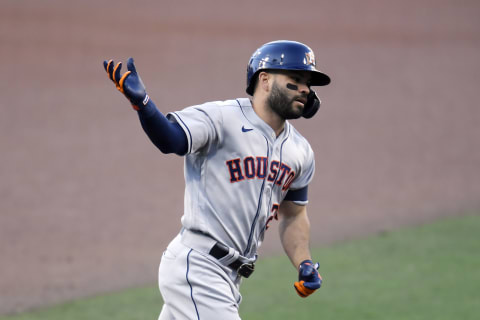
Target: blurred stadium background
87 204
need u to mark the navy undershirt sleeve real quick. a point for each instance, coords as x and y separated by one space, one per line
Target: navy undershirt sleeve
166 135
297 195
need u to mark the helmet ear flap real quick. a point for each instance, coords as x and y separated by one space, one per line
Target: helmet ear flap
312 105
252 84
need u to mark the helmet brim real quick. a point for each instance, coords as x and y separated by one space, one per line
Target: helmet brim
318 78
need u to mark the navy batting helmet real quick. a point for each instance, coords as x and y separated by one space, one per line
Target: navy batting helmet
284 55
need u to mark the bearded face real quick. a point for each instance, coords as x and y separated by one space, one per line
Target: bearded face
284 103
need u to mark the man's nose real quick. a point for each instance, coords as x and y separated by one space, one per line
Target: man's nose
303 88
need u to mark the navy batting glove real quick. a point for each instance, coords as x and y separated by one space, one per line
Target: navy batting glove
130 83
309 279
312 105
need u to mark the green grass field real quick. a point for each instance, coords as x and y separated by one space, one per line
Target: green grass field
426 272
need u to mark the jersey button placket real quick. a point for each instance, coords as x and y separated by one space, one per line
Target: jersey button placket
270 184
268 188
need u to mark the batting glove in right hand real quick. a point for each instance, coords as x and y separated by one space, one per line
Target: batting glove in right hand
129 84
309 279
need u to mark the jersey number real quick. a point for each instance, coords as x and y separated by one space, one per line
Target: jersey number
274 215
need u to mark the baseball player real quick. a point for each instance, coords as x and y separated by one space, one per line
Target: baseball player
245 166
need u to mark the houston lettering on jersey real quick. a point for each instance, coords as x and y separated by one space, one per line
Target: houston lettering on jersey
250 168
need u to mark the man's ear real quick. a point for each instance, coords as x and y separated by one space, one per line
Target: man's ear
264 79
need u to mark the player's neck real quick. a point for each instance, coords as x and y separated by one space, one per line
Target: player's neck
270 117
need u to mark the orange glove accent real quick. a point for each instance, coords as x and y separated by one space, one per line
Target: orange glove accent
129 84
302 290
122 80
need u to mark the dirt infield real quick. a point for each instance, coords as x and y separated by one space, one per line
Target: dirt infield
87 204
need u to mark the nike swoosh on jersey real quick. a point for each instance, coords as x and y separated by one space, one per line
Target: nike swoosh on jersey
245 129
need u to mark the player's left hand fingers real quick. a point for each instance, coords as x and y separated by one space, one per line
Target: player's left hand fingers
108 65
118 78
116 73
129 83
131 65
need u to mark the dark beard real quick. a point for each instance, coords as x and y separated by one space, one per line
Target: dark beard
281 103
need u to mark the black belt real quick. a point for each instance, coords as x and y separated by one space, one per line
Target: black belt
244 269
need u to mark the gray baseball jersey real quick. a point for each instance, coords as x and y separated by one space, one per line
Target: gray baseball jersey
237 172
